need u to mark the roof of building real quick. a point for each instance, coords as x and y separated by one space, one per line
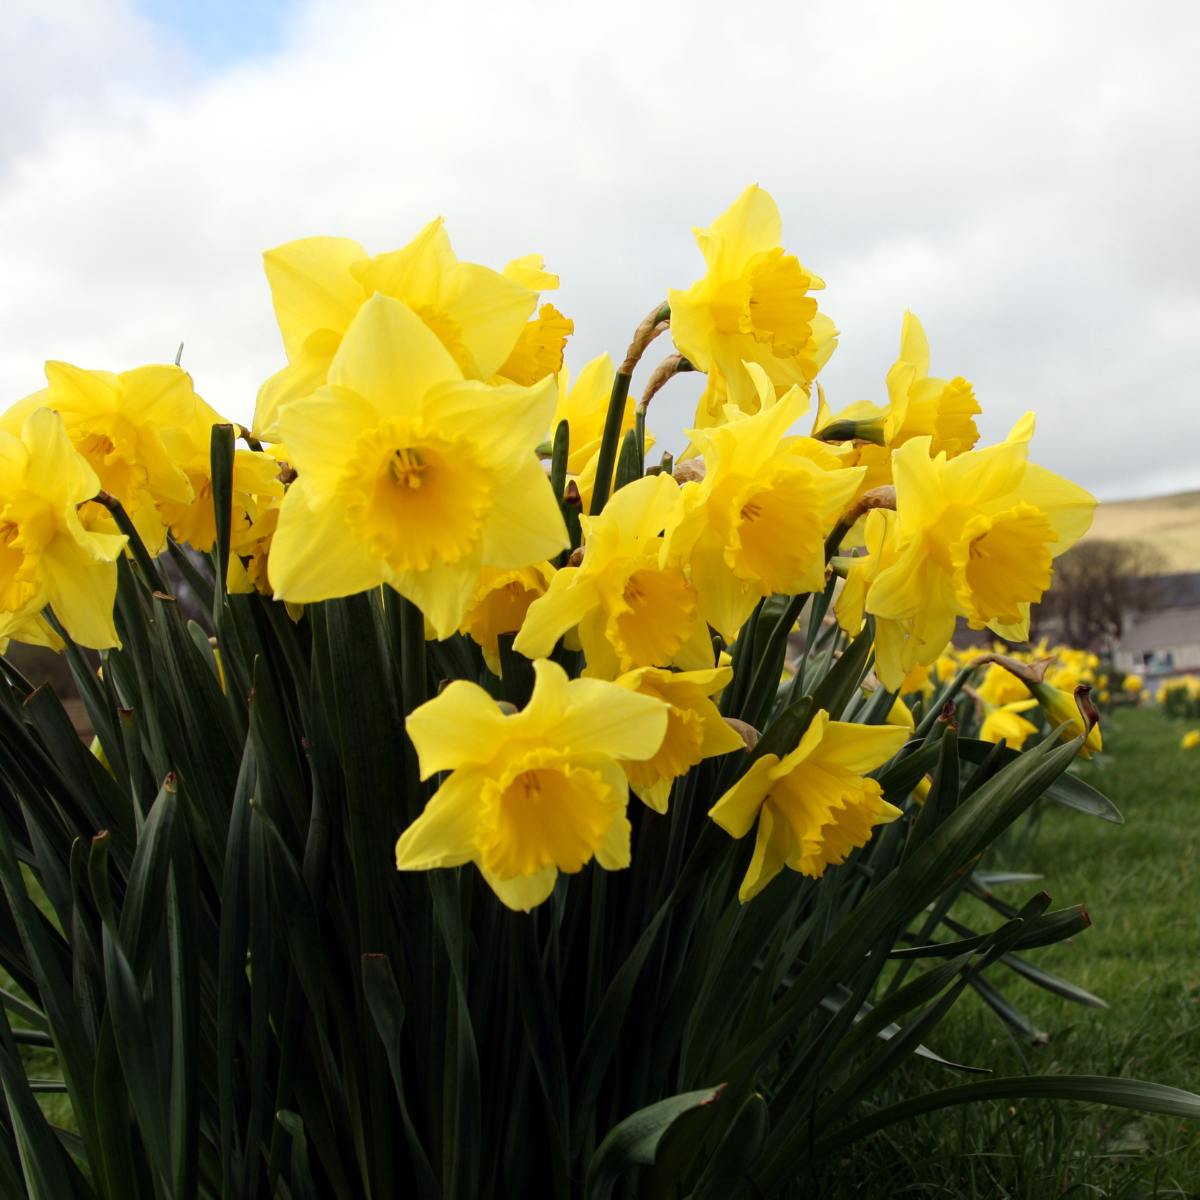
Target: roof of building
1162 630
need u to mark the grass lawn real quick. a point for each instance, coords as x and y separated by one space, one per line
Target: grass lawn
1141 884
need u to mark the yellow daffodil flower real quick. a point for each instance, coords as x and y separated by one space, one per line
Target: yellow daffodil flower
898 650
943 410
632 608
1000 687
1060 709
409 475
813 806
1004 723
47 557
583 404
752 305
32 629
974 535
255 474
1190 740
1132 684
118 424
756 524
695 729
539 347
319 284
530 793
500 604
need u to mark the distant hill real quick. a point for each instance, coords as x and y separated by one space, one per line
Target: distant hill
1171 524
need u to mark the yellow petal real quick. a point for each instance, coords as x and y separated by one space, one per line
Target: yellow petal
315 555
525 892
391 358
442 591
563 606
736 811
859 748
321 431
82 593
296 380
444 834
525 525
312 287
461 725
770 854
507 419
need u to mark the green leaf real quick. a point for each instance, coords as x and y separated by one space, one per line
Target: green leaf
142 914
1067 790
558 459
629 464
634 1142
1095 1089
221 451
607 454
834 691
387 1011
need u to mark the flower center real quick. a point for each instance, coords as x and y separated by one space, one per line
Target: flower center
775 543
546 812
418 499
407 467
780 307
1002 563
655 615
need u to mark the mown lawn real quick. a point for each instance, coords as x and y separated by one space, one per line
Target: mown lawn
1141 884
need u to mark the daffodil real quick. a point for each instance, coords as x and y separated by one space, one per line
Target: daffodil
757 522
1003 722
583 404
255 474
630 606
1062 712
1190 740
943 410
47 557
1000 687
752 305
539 347
30 628
814 805
974 536
695 728
118 423
318 285
1132 684
500 604
898 649
530 793
410 475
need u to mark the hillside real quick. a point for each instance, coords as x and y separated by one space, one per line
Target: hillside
1171 524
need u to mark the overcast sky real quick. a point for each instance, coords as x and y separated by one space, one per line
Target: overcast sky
1025 177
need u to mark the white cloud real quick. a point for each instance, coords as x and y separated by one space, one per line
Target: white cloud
1025 178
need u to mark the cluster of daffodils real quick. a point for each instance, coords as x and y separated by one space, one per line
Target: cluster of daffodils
407 444
1180 696
1008 686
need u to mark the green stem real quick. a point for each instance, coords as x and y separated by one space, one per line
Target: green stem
609 441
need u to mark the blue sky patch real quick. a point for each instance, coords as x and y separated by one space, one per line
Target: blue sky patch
218 33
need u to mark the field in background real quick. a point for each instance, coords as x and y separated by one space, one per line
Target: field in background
1169 524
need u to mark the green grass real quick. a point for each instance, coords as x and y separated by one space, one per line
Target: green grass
1141 884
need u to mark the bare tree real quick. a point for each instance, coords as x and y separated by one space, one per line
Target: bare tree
1096 585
